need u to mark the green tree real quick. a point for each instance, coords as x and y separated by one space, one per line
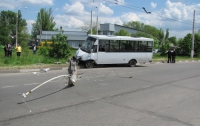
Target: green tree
4 32
45 21
8 27
185 45
142 34
197 45
122 32
24 37
172 40
22 29
143 28
87 27
60 49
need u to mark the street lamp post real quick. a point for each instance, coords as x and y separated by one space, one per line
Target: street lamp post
17 26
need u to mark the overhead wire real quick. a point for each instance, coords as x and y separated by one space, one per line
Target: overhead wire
131 6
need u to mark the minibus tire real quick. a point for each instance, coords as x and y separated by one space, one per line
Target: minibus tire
89 64
132 63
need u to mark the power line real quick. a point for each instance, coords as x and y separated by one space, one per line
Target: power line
142 9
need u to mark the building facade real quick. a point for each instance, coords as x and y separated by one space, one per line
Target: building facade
75 38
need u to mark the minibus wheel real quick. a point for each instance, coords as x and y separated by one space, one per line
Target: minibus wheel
132 63
89 64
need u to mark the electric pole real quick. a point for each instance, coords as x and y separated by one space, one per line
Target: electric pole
192 51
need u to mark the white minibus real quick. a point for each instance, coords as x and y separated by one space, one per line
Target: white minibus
103 49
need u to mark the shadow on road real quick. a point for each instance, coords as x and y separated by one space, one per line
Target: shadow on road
110 66
47 94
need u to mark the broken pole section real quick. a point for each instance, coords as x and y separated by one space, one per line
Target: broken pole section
72 70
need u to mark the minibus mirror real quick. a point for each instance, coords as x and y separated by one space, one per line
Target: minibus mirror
91 51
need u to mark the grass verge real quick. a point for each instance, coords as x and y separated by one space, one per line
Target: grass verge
30 61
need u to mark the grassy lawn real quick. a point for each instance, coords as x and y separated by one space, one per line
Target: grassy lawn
30 61
157 57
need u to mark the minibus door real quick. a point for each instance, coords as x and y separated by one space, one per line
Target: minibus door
93 53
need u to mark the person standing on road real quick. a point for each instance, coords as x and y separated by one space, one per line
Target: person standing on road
18 50
6 50
174 56
169 56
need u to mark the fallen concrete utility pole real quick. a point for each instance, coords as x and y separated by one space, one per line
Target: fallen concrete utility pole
72 70
72 78
27 93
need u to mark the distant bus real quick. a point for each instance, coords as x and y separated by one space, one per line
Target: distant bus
103 49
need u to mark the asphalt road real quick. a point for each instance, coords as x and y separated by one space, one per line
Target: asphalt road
147 95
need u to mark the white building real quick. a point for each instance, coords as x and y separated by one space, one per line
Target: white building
75 38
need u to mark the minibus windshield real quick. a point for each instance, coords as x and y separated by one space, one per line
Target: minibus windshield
88 44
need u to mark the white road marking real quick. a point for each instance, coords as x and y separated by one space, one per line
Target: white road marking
9 86
103 83
17 85
31 84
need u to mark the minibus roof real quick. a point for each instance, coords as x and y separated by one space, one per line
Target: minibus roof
112 37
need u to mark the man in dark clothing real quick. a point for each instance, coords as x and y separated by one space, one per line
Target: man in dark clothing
9 50
169 56
6 50
174 56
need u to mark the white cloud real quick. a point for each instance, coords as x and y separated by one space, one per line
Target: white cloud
68 22
113 20
175 16
153 5
179 33
37 2
129 17
176 10
75 9
12 4
6 6
29 25
105 10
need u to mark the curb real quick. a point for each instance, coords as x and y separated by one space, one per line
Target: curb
31 70
9 71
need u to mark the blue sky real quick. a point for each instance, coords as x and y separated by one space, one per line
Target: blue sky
175 15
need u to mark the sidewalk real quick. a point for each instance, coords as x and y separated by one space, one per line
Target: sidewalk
65 68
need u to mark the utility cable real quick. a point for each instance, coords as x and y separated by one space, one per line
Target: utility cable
109 73
130 6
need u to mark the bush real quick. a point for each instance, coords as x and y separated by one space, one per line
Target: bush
44 51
